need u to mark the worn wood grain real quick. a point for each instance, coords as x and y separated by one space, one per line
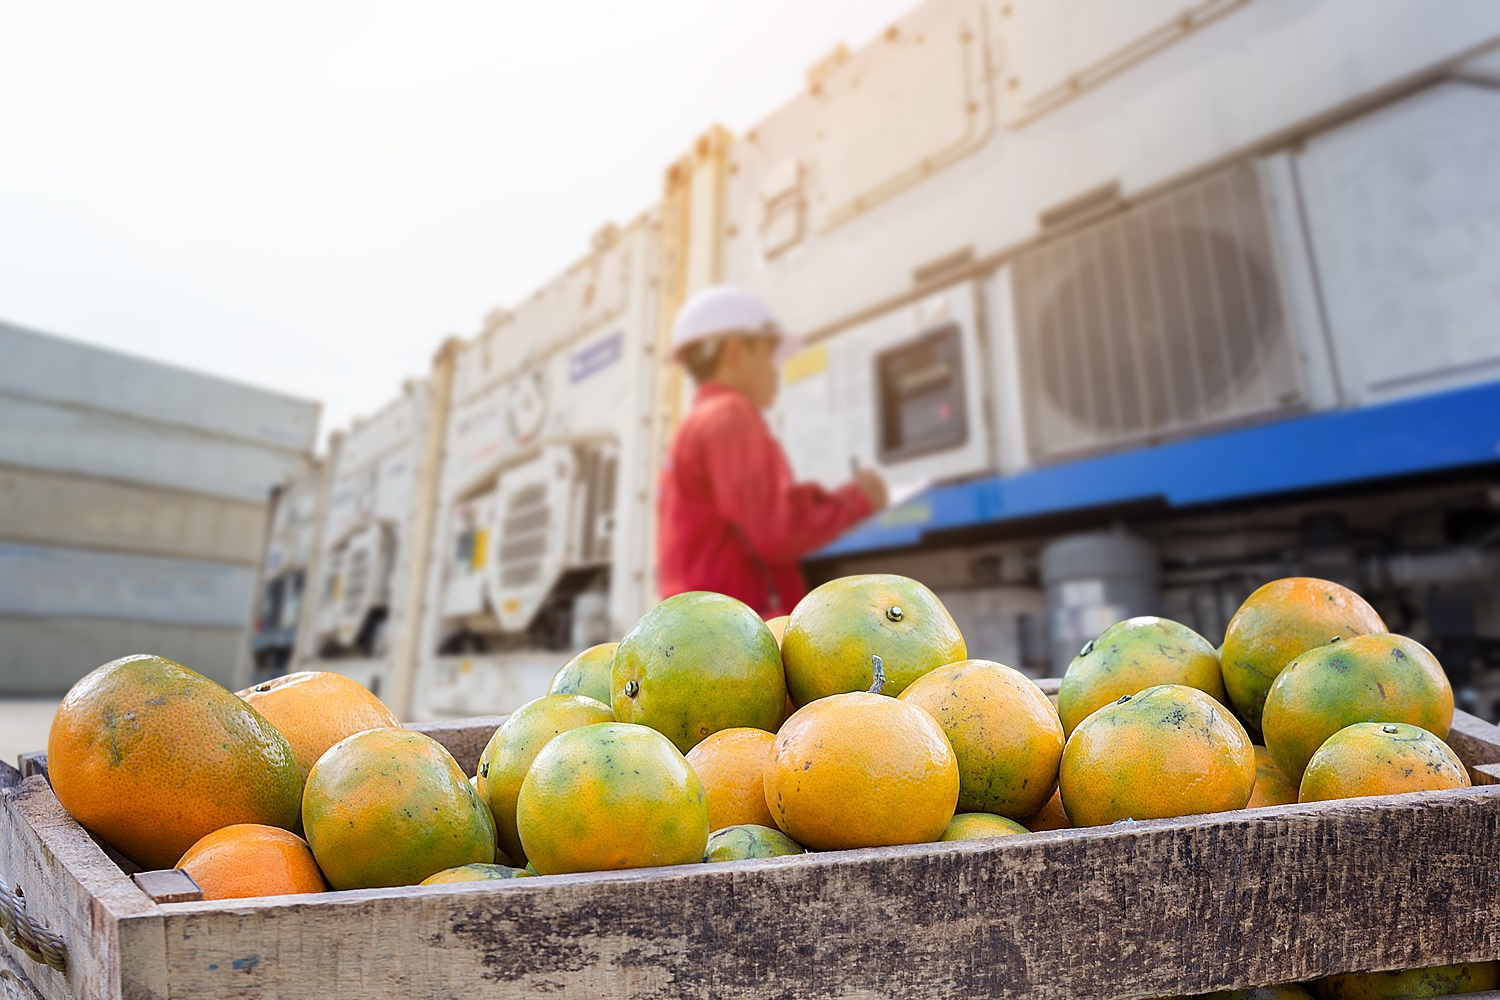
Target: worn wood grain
1476 742
14 983
464 738
76 891
34 762
168 885
1166 907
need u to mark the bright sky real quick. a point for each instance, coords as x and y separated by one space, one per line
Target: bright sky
309 194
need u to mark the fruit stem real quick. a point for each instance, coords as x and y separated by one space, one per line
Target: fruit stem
879 681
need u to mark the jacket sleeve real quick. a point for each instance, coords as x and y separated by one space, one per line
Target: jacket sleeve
753 489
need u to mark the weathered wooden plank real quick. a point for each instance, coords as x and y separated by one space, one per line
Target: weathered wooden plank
1476 742
34 762
74 890
14 983
464 738
168 885
1166 907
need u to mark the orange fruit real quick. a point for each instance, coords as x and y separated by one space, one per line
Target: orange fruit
731 764
861 770
1272 786
1169 751
314 709
777 626
587 673
611 795
249 859
1437 981
1291 991
1370 678
748 840
1277 624
1132 655
475 873
1003 730
695 664
1051 816
980 826
835 629
509 754
1380 758
151 757
390 807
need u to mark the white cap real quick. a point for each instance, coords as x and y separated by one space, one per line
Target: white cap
724 309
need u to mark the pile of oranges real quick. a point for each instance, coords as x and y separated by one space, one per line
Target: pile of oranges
707 734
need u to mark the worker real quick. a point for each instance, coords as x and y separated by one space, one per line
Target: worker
730 516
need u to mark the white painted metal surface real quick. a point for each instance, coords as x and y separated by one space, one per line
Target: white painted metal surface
39 507
67 373
545 472
1403 210
1200 100
44 656
48 581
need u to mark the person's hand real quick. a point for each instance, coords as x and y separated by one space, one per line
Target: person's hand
869 480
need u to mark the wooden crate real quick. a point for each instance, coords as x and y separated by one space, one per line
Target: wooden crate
1150 909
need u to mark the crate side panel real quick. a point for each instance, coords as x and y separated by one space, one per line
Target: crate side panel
1167 907
74 890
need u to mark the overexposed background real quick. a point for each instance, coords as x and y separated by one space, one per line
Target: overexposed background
309 196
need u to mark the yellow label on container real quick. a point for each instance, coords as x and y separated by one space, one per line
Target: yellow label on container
481 552
512 606
806 363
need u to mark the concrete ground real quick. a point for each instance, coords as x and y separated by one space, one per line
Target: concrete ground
23 725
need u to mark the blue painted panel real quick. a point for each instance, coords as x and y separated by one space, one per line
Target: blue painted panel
1447 430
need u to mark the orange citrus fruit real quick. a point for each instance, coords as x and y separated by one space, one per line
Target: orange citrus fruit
695 664
587 673
1380 758
1272 786
1132 655
749 840
151 757
314 709
1437 981
1277 624
611 795
1169 751
475 873
731 764
861 770
777 626
1051 816
980 826
509 754
835 629
1370 678
248 859
1290 991
390 807
1003 730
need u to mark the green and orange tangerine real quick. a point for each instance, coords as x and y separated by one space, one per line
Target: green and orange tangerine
1272 786
1380 758
695 664
1003 730
1436 981
608 796
1277 624
835 629
475 873
980 826
749 840
1170 750
510 752
1369 678
389 807
587 674
1129 657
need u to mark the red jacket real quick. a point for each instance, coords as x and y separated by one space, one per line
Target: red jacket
730 519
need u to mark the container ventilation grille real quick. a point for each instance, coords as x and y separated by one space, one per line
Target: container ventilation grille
1163 320
523 539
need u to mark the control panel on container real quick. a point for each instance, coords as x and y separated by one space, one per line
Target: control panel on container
920 393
